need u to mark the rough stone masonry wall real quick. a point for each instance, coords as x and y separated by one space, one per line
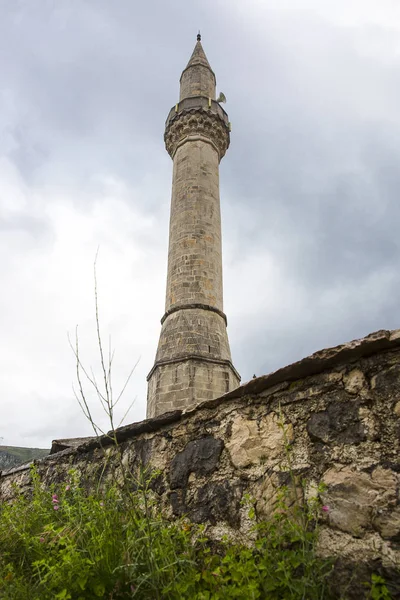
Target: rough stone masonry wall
341 410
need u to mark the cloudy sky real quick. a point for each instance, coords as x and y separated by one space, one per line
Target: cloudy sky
309 187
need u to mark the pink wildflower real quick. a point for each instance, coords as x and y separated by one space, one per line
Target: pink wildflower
325 508
67 488
41 540
56 507
54 498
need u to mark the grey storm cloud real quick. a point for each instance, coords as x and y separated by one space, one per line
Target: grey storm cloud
309 186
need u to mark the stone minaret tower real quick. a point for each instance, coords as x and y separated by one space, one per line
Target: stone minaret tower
193 361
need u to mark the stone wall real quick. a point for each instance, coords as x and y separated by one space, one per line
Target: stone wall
341 414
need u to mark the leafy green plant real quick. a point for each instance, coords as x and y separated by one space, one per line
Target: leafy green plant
378 589
70 544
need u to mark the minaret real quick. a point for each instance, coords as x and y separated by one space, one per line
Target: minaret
193 361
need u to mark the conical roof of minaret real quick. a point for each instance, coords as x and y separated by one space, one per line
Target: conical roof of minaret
198 56
198 78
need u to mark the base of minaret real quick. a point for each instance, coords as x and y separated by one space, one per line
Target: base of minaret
185 382
193 360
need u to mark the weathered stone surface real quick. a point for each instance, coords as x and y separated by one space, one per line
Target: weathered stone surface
369 422
322 360
198 78
176 381
339 421
199 456
342 429
356 559
252 441
388 379
355 382
213 503
266 493
387 523
58 445
193 360
354 498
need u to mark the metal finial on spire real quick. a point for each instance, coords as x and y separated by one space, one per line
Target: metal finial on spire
199 36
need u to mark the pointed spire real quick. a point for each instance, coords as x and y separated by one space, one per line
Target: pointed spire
198 78
198 56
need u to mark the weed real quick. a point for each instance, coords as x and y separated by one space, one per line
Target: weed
70 544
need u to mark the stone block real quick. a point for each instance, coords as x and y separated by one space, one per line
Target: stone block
253 441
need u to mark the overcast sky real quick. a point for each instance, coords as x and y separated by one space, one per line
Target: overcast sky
309 187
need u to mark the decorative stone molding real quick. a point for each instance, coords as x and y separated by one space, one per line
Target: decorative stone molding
194 306
197 123
188 357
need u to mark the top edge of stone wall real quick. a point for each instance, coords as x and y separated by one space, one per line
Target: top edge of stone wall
314 364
